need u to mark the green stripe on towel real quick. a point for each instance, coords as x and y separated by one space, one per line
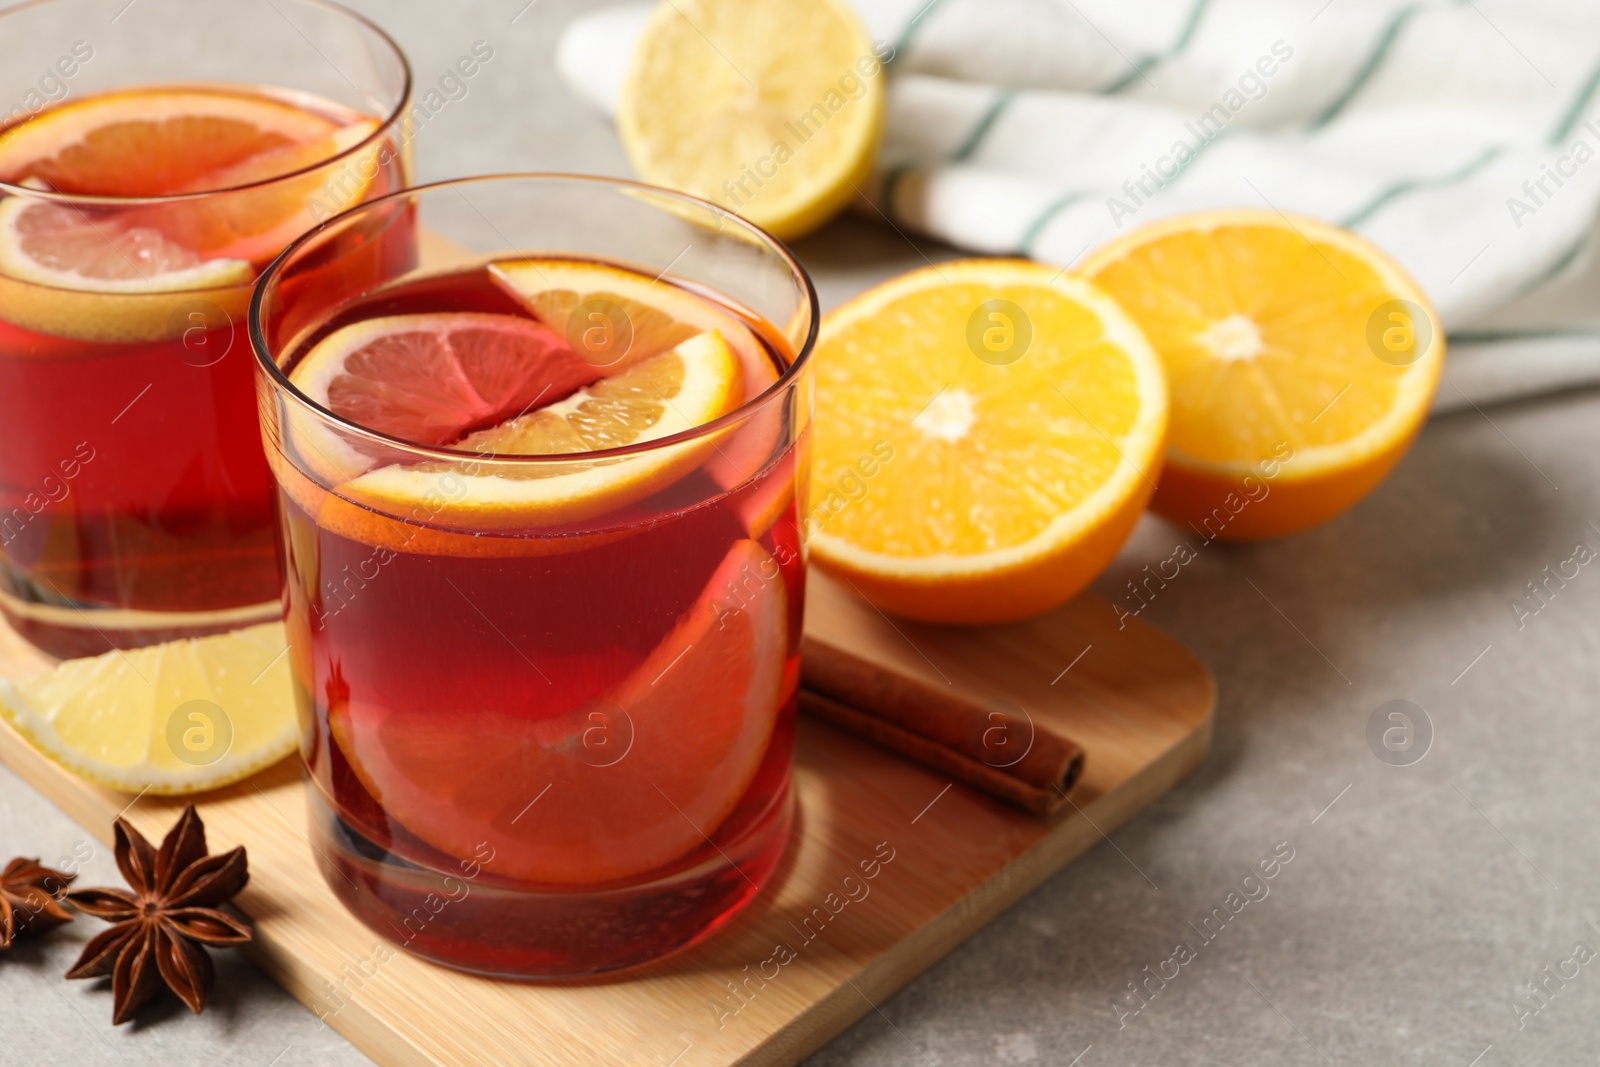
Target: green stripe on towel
1036 227
985 122
1369 69
1575 110
1557 268
1400 189
1490 337
913 28
1147 63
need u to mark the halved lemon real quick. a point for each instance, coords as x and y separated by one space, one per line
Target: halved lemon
1302 361
772 110
175 718
619 786
987 434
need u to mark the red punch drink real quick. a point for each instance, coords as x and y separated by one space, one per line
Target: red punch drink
135 501
544 575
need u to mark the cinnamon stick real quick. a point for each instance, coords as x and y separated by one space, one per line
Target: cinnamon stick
990 745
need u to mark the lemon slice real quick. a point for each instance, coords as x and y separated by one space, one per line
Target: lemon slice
772 109
987 434
175 718
1303 362
694 383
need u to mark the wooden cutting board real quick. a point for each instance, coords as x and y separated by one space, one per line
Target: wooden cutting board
1138 702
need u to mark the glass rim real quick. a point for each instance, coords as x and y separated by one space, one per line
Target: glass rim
281 384
384 126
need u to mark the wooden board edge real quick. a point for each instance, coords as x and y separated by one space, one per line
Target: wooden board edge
81 802
355 1022
880 979
65 791
823 1020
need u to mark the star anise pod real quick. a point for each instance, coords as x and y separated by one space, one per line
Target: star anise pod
161 925
28 903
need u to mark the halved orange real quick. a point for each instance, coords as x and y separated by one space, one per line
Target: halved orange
987 434
1302 361
612 789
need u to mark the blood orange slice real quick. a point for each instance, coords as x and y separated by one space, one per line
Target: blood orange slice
434 378
152 143
67 247
165 141
608 790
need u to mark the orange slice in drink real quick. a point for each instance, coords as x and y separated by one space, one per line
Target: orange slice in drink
609 790
257 223
1302 360
434 378
152 143
67 247
613 317
438 378
104 278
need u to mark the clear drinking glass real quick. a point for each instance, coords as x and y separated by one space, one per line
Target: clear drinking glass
135 501
548 700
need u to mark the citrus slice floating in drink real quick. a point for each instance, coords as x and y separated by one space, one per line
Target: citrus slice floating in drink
1302 360
609 790
436 378
145 143
182 717
153 142
613 316
988 432
66 247
772 110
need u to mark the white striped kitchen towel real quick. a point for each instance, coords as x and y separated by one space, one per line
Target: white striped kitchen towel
1461 135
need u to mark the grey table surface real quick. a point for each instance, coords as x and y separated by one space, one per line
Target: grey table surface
1431 914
